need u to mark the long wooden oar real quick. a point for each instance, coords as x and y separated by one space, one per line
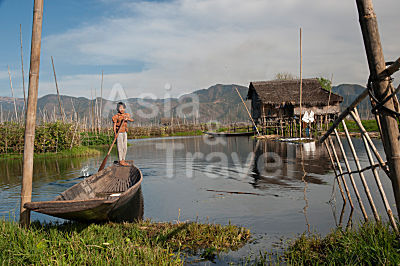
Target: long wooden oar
103 164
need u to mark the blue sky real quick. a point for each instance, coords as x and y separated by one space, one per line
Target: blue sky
190 44
59 16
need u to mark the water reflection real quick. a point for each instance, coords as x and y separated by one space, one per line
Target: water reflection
277 194
339 223
284 164
51 177
132 211
44 170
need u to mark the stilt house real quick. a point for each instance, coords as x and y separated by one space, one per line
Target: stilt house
279 101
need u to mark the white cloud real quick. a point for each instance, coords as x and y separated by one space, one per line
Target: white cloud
3 75
193 44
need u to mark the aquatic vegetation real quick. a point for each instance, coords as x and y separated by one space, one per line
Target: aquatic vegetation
49 137
79 151
96 139
53 139
368 244
144 242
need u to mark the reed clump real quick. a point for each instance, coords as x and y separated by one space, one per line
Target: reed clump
144 242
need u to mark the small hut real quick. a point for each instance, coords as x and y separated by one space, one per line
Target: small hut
276 103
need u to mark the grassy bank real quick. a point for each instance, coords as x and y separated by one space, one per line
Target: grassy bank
175 134
368 244
369 125
141 132
80 151
144 242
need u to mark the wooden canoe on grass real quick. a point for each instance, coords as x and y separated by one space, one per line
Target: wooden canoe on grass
97 198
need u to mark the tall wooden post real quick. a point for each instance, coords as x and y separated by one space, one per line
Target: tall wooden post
26 188
301 78
376 62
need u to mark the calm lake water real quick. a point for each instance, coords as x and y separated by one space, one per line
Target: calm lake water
277 190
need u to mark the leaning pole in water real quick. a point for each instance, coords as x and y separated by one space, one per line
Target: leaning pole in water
30 120
376 63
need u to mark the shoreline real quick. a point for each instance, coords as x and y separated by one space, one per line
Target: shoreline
143 242
80 151
369 243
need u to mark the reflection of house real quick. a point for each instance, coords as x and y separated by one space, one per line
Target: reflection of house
286 165
280 100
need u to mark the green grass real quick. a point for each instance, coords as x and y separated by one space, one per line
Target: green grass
141 243
222 129
95 139
176 134
79 151
369 125
368 244
230 130
187 133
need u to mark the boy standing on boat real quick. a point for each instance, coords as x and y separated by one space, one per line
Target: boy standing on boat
120 121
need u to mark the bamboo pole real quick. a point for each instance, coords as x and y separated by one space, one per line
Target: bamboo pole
58 92
245 106
54 114
359 169
92 111
376 62
371 144
341 172
336 173
353 183
26 188
12 95
380 187
96 111
301 80
329 100
343 115
378 182
101 98
22 66
73 136
75 114
393 68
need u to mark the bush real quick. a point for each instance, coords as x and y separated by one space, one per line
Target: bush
90 138
49 137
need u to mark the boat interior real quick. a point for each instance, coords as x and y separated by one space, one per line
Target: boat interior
108 183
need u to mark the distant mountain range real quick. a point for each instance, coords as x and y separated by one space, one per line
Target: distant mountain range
217 103
350 92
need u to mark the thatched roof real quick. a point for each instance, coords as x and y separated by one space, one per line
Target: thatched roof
282 92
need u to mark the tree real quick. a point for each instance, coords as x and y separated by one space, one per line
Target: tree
325 83
285 76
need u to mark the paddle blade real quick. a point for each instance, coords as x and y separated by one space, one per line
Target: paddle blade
103 164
